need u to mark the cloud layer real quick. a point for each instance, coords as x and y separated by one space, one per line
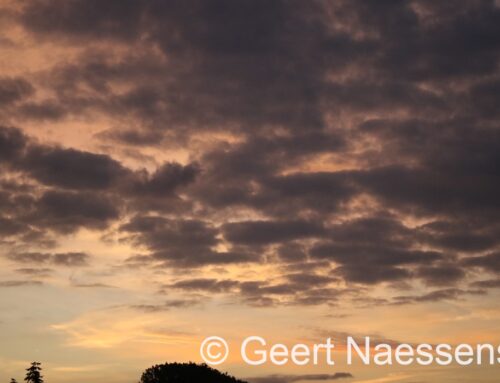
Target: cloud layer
344 145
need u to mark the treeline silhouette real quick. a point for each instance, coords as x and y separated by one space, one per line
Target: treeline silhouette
160 373
185 373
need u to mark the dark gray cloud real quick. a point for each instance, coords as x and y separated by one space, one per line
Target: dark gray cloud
310 279
443 274
373 262
181 242
300 378
262 63
72 259
165 179
12 142
40 17
16 283
485 96
166 306
68 211
231 42
372 274
459 235
14 89
488 262
42 272
10 227
436 296
205 284
294 289
48 110
72 169
70 189
487 284
265 232
34 257
132 137
92 285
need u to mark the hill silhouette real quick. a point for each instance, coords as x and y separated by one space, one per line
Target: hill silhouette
185 373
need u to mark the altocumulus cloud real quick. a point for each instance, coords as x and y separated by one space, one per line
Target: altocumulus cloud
328 140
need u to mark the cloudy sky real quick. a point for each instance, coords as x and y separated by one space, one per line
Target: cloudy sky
176 169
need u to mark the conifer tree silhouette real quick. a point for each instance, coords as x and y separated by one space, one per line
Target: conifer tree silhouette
33 374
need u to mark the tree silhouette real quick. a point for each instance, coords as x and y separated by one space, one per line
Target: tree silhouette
33 373
12 380
185 373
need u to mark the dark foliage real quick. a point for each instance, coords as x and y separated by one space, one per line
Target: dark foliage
185 373
33 373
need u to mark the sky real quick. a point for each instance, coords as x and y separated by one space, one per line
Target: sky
297 170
